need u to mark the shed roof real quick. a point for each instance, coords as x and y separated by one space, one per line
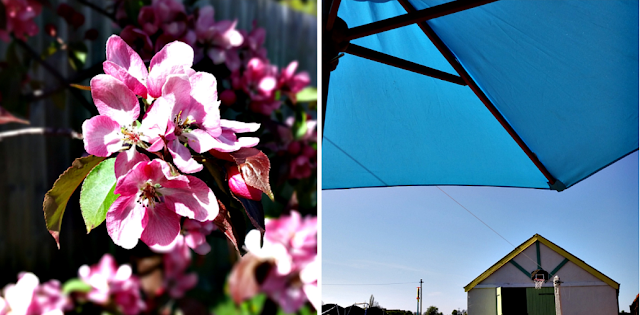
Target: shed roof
552 246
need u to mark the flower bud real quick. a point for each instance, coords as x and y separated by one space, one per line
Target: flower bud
51 30
239 187
228 97
77 20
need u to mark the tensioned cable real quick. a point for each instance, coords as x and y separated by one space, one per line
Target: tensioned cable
351 157
368 283
487 225
463 207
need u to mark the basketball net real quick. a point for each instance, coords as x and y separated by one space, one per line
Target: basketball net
538 283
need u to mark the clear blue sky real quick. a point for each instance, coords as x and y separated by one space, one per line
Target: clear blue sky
404 234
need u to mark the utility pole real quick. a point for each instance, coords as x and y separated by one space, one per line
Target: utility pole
418 302
420 296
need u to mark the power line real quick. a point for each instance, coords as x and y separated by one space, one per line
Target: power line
367 283
494 231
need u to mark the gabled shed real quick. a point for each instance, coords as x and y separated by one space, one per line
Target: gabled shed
507 287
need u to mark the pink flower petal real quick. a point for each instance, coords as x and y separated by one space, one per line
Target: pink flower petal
129 80
200 141
101 136
163 226
141 173
122 55
182 158
197 202
154 125
125 221
125 161
174 58
204 91
238 126
217 55
114 99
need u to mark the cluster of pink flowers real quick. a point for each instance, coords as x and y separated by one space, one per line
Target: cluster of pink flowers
29 297
182 109
19 17
165 21
112 286
290 247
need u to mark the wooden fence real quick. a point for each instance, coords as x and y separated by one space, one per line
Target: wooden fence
29 165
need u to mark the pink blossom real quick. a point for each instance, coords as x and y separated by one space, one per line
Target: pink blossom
286 290
196 233
20 15
139 40
252 47
239 187
110 283
189 109
167 9
296 233
114 128
176 263
290 244
148 20
219 37
124 64
300 167
290 82
28 297
228 141
260 83
151 201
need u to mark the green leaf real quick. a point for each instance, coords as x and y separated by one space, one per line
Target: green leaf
50 50
308 94
77 55
55 200
96 195
75 285
300 124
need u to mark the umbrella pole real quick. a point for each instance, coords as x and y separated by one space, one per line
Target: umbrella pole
444 50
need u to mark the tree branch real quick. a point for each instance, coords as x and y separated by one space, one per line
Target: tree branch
57 75
46 131
98 9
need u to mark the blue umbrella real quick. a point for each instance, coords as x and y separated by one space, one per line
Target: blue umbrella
537 94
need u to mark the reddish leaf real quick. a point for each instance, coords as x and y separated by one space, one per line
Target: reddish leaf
254 166
254 212
224 223
7 117
55 200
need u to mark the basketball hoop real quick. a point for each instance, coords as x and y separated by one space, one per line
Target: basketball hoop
539 277
538 283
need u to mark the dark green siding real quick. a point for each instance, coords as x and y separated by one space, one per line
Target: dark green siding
540 302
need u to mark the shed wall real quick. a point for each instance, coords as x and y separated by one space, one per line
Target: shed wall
589 300
481 301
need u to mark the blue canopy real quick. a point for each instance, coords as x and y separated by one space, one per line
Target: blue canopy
562 76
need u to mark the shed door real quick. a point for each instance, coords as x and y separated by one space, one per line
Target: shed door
541 302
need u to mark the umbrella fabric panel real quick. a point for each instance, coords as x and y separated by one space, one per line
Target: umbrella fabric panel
563 73
387 126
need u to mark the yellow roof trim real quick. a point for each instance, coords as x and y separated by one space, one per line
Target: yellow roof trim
553 247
